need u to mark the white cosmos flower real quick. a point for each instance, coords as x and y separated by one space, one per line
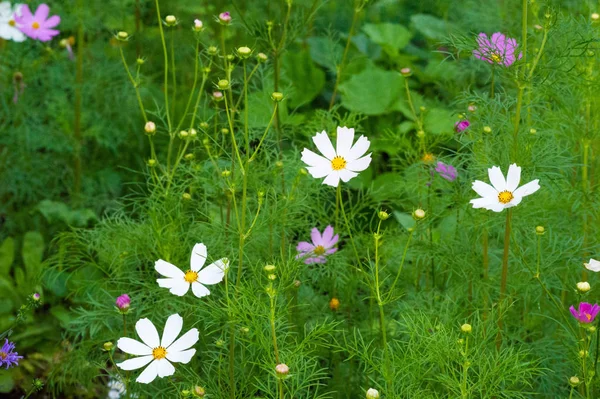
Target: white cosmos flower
179 282
8 27
594 265
343 162
503 193
155 352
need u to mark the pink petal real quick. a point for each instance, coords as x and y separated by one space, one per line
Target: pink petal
315 235
25 15
327 236
304 246
51 22
42 13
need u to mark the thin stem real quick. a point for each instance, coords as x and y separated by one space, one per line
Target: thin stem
380 303
391 291
77 106
166 62
504 277
339 194
493 83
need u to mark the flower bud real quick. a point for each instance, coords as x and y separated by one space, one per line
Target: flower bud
538 27
244 330
122 36
592 329
199 391
123 302
420 134
574 381
303 171
198 25
189 157
466 328
583 286
277 96
422 108
223 84
461 125
204 125
282 370
539 230
383 215
150 128
170 20
262 57
419 214
428 158
583 353
108 346
186 196
217 96
244 52
334 304
279 164
487 129
297 283
269 268
193 133
183 134
532 131
372 393
472 108
212 50
226 173
224 131
272 277
151 163
220 343
230 58
595 16
36 297
225 18
406 72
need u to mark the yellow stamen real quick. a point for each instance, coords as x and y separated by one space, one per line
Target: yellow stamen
319 250
3 355
35 25
190 276
505 197
428 157
495 57
159 353
12 22
589 316
338 163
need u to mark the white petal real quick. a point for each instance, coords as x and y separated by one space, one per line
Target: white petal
593 265
172 329
484 189
324 145
346 175
345 137
513 177
312 159
333 179
318 172
360 164
213 273
165 368
181 357
497 178
149 374
135 363
180 288
199 290
186 341
167 269
527 189
198 257
490 204
359 148
133 347
147 332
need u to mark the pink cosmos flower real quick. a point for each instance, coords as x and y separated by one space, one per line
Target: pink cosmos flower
500 50
461 125
586 312
225 17
448 172
322 245
123 302
37 26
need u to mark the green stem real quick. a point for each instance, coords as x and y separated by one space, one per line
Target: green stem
77 106
391 291
339 194
504 277
380 303
166 62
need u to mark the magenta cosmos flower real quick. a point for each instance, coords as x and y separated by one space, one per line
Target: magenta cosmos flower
37 26
123 302
586 312
321 247
448 172
461 125
499 50
8 356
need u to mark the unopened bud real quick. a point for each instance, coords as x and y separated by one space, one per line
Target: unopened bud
277 96
419 214
193 133
487 129
223 84
186 196
583 286
244 330
198 25
372 393
420 133
204 125
122 36
226 173
466 328
151 163
532 131
225 18
383 215
183 134
269 268
406 72
262 57
297 283
574 381
539 230
108 346
150 128
279 164
140 61
595 16
218 95
272 277
212 50
189 157
282 370
170 20
244 52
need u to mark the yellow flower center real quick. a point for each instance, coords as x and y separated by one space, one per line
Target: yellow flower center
495 57
319 250
190 276
3 355
35 25
428 157
159 353
338 163
588 316
12 22
505 197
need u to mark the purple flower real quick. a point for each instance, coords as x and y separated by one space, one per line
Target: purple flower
225 17
448 172
8 357
586 312
322 245
461 125
500 50
123 302
37 26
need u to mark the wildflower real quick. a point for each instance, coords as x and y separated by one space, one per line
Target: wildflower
586 312
500 50
123 302
461 125
593 265
156 353
428 158
36 297
150 128
466 328
321 247
372 393
334 304
344 162
8 25
583 286
282 370
502 193
8 356
68 45
37 26
225 18
446 171
198 25
179 282
406 72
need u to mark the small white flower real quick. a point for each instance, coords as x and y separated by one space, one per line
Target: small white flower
156 353
502 193
344 162
372 393
179 282
593 265
8 27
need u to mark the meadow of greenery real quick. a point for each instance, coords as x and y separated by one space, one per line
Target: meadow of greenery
299 199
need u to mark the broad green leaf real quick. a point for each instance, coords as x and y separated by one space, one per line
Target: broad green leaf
325 51
6 382
7 256
372 91
33 252
405 220
301 74
391 37
439 121
431 27
261 110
